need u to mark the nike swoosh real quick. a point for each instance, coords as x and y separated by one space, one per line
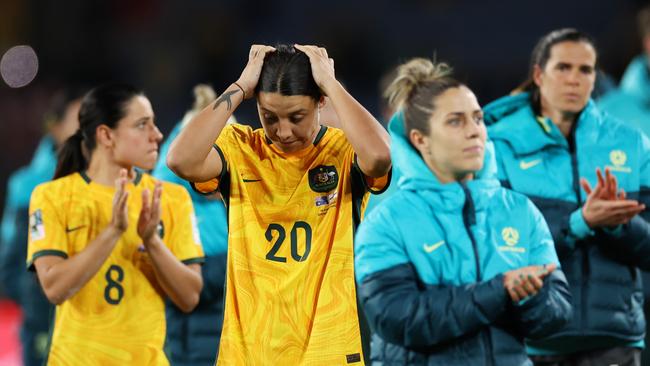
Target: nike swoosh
251 180
432 247
524 165
69 230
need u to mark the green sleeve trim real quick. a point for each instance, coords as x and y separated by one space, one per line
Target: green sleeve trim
199 260
320 134
43 253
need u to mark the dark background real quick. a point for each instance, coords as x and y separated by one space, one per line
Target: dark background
166 47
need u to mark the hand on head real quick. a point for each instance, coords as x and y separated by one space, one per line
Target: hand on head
250 76
322 67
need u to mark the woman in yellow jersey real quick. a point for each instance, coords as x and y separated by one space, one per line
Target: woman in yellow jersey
109 243
294 191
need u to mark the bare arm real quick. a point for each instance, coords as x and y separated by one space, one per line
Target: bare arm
191 155
368 138
181 282
62 278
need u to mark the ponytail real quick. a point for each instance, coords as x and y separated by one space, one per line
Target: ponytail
414 90
71 158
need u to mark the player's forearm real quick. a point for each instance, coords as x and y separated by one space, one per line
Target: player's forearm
182 283
188 153
368 138
64 278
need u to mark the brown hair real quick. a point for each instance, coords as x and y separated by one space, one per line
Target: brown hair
414 90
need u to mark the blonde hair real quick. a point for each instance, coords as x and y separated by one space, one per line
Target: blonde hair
203 96
414 90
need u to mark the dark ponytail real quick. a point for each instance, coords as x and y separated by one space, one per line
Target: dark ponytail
70 157
103 105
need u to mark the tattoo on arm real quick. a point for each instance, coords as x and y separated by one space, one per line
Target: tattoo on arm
225 97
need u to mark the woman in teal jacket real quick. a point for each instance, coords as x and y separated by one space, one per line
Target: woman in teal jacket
546 140
452 268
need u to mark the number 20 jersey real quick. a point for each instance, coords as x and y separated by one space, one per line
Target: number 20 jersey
118 317
290 291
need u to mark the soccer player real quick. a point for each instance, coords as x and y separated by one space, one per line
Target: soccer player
452 268
293 191
109 243
546 140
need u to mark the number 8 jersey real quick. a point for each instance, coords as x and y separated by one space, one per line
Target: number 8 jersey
118 317
290 291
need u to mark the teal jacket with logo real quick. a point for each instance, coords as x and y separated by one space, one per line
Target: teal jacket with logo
429 262
602 266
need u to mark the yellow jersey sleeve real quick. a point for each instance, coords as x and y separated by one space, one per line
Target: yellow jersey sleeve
184 240
47 230
230 138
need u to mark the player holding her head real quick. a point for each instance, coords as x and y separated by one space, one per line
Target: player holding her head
294 191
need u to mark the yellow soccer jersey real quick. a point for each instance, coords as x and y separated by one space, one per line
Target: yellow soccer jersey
118 317
290 291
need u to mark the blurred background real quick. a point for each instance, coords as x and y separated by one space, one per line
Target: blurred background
166 47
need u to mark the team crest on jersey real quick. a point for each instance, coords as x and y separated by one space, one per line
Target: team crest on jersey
36 227
323 178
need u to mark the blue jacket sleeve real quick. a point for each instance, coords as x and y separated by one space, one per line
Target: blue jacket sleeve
403 311
550 309
401 308
631 244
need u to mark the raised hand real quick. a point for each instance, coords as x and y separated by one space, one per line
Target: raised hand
251 75
526 281
606 206
606 187
322 67
120 215
150 214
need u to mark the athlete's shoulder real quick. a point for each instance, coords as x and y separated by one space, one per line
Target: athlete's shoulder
508 200
58 188
332 134
237 132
